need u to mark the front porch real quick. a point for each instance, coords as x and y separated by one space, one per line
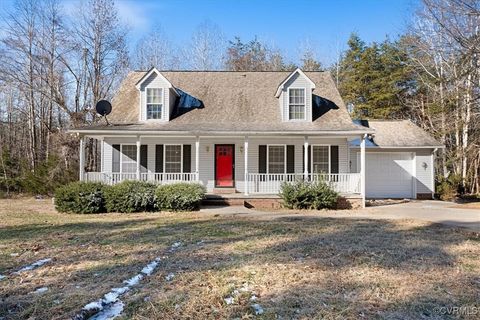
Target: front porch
244 165
256 183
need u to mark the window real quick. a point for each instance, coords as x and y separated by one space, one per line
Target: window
296 104
154 103
173 158
320 159
276 159
129 158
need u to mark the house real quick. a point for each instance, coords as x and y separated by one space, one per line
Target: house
248 132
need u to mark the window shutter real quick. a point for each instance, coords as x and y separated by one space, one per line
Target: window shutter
159 158
144 158
333 159
187 158
262 159
291 159
116 158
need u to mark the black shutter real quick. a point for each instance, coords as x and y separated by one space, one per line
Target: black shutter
262 159
333 159
187 158
291 159
144 158
116 158
159 158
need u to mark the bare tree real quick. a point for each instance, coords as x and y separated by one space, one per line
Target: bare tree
155 50
205 50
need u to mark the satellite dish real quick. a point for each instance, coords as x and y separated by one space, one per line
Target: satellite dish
103 107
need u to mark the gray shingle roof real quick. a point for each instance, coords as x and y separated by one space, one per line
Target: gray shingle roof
398 133
233 102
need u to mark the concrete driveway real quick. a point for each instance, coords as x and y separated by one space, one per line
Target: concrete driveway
447 213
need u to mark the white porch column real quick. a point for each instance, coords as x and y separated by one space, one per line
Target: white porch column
138 157
362 169
245 153
197 158
82 158
305 159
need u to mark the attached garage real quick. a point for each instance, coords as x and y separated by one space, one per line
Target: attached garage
399 161
389 175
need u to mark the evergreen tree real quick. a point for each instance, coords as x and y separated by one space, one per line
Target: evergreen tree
375 78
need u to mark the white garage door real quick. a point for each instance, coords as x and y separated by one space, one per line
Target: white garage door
389 175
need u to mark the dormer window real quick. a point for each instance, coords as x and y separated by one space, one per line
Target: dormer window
296 103
154 103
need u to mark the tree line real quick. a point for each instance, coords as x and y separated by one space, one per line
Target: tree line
55 66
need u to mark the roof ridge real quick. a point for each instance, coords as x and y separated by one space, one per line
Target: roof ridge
230 71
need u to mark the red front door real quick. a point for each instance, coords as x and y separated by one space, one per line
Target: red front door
224 155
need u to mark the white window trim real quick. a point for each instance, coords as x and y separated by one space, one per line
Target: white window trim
284 158
304 100
164 156
163 104
329 157
121 156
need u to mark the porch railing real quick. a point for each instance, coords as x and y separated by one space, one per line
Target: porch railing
160 178
265 183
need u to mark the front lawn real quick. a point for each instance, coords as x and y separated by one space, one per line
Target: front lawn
292 267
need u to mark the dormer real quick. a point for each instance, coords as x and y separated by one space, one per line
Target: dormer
157 97
295 97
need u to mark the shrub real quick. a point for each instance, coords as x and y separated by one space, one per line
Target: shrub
180 196
308 195
80 197
130 196
448 188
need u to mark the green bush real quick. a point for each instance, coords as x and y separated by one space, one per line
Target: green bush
80 197
130 196
308 195
179 196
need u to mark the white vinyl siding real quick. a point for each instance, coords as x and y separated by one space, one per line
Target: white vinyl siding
155 82
296 81
207 153
423 175
424 167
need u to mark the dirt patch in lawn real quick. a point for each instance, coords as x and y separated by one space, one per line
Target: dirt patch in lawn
303 268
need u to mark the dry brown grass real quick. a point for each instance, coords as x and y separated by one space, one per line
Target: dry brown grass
300 267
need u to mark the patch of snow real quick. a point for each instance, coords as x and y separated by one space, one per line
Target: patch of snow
95 305
134 280
253 298
41 290
14 254
34 265
2 277
176 244
257 309
229 300
151 267
170 277
111 312
110 306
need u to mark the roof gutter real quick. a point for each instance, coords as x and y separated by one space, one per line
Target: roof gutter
214 133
